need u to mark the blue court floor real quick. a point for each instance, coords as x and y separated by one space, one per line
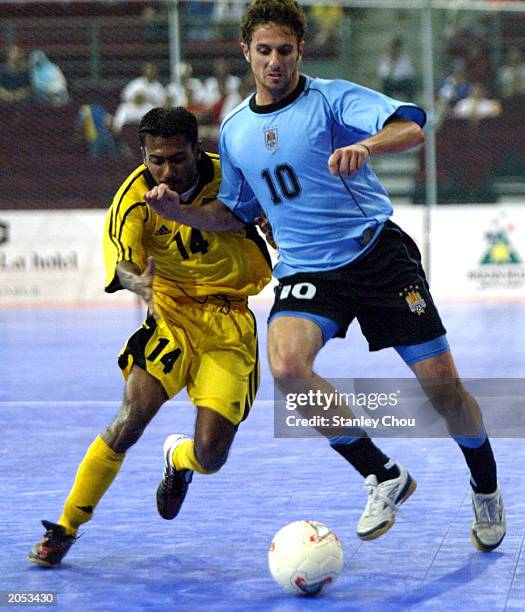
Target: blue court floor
60 386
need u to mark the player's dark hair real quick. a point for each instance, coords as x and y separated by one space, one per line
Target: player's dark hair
285 13
166 122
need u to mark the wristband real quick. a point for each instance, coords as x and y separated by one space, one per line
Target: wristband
361 144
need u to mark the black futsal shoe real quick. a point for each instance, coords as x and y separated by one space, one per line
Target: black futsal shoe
174 484
53 546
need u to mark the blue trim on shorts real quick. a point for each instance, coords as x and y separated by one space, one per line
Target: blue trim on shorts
328 326
412 353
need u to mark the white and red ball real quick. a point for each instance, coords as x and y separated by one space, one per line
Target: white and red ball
305 557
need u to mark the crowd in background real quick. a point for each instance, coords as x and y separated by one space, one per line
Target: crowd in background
472 88
23 78
35 78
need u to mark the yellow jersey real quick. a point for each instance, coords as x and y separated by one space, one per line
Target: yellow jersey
188 262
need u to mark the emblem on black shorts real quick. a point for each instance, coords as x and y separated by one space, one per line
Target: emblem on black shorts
413 298
270 138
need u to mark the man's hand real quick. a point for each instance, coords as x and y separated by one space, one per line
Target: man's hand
140 283
266 229
165 202
347 160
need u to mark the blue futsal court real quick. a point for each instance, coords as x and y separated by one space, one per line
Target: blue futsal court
61 386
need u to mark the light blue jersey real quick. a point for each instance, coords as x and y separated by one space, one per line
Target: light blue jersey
275 158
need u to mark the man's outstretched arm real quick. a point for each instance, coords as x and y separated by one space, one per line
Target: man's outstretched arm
212 216
397 135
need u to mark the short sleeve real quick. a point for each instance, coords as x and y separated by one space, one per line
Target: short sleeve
366 110
235 193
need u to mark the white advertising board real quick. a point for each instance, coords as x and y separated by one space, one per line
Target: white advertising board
478 252
411 219
53 257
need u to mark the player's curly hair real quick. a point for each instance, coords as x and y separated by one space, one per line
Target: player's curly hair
287 13
166 122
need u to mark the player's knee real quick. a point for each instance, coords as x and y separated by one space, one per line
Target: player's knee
290 366
450 399
211 452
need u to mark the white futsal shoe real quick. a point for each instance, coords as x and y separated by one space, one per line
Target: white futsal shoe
489 526
383 502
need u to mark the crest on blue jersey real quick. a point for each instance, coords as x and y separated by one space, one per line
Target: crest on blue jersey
270 138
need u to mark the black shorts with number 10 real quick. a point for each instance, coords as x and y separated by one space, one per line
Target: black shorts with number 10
385 290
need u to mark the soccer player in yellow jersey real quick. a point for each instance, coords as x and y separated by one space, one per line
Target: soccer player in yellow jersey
198 334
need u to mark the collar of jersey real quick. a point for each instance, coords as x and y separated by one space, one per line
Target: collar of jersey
270 108
205 169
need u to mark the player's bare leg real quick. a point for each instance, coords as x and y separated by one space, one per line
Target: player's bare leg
206 454
143 397
293 344
440 380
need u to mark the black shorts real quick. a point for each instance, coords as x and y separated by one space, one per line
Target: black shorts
385 290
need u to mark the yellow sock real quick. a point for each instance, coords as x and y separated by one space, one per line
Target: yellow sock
184 458
94 475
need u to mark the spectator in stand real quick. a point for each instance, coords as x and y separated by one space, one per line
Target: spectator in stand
234 99
93 126
47 79
198 18
477 105
148 85
396 71
188 88
15 81
224 11
326 21
455 87
511 76
226 17
198 105
155 18
132 111
214 110
478 65
221 84
462 29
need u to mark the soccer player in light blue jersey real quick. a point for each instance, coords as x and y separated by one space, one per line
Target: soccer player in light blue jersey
297 151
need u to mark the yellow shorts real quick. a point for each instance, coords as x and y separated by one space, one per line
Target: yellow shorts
209 349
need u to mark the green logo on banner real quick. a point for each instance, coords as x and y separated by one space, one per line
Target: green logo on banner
500 249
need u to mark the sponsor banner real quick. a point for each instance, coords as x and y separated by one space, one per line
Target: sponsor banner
53 257
478 251
50 257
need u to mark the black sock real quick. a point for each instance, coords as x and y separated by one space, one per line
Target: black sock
482 466
367 459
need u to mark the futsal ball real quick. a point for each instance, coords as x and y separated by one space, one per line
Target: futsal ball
305 557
